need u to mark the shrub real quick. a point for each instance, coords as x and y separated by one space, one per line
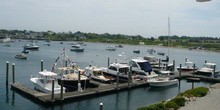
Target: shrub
157 106
197 92
179 100
171 104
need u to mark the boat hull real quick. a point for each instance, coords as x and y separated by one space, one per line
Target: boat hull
163 83
121 78
72 85
40 87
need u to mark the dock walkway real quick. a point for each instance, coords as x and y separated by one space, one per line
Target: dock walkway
47 98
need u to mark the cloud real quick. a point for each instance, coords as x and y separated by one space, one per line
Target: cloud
145 17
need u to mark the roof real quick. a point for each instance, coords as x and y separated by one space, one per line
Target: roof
211 64
47 73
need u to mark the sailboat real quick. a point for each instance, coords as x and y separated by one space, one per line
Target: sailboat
164 79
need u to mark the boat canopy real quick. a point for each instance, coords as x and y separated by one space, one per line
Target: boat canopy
47 73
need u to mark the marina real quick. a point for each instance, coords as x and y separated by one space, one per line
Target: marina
134 94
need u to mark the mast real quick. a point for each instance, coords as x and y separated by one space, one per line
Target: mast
169 32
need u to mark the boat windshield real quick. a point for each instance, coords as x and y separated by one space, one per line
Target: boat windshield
97 73
124 70
145 66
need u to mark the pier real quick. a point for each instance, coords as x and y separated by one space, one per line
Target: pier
51 98
46 98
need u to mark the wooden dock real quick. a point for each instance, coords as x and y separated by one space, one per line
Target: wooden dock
47 98
101 89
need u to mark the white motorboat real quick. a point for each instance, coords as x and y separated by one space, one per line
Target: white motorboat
162 81
110 48
96 74
207 69
31 46
142 68
120 69
43 82
188 67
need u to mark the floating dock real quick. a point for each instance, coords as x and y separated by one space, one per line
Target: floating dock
102 89
47 98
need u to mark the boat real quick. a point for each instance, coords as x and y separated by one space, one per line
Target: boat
24 51
119 46
136 51
162 81
142 68
47 43
20 56
96 74
117 69
110 48
207 69
72 81
43 82
31 46
188 67
70 73
77 48
153 61
193 79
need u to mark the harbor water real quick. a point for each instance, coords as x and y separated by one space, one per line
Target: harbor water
94 54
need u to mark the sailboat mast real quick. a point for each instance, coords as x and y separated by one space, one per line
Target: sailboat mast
169 32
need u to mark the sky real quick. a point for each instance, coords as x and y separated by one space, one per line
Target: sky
148 18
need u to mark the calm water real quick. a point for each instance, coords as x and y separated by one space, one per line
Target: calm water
95 54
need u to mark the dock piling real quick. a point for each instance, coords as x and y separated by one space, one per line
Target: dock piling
7 71
159 63
180 70
194 67
52 95
61 91
41 65
117 79
108 61
174 63
13 73
101 106
129 76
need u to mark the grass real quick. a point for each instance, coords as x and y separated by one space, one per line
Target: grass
178 101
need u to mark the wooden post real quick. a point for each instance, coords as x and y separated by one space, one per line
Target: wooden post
194 67
180 70
117 79
65 63
159 63
214 69
205 61
101 106
61 92
42 65
7 71
174 64
79 77
129 76
13 73
108 61
52 95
